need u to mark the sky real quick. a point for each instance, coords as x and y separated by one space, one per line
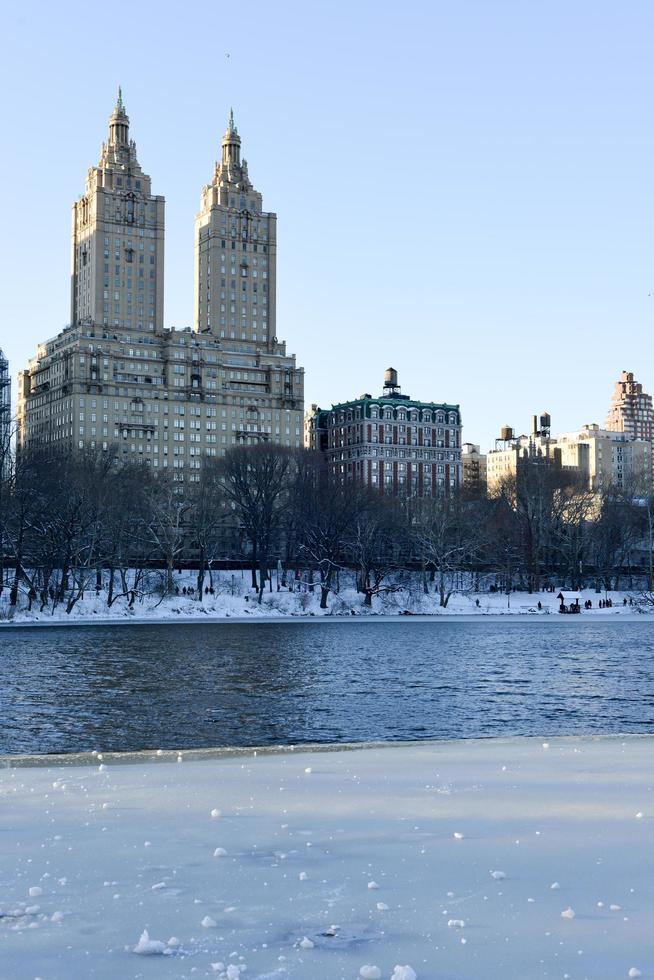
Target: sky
463 189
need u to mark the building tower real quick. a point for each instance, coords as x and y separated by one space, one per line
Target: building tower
117 253
631 409
235 254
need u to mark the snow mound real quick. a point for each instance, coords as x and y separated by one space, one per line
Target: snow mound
149 947
404 973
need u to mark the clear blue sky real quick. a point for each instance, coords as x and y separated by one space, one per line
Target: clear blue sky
464 190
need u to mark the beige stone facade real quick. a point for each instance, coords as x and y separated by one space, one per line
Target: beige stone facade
116 379
117 247
608 458
595 457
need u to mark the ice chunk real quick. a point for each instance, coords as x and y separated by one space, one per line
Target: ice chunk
220 852
306 943
457 835
382 906
634 972
498 875
148 947
456 923
404 973
555 886
568 913
372 885
215 814
208 922
370 972
35 891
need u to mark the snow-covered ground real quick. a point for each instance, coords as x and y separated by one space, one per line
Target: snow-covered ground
508 859
232 598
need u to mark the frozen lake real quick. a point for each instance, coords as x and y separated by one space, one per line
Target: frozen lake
501 859
180 686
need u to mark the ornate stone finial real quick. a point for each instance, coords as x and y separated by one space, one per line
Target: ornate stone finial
231 128
119 102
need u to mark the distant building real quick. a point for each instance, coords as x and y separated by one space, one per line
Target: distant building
473 463
116 379
606 458
631 409
513 452
391 441
591 456
5 414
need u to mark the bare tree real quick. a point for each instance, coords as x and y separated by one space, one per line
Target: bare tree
444 540
255 481
167 529
323 513
371 540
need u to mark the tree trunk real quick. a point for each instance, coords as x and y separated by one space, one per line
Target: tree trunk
325 586
254 565
201 576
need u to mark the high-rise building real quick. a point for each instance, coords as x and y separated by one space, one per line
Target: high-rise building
235 253
117 249
390 441
631 409
118 381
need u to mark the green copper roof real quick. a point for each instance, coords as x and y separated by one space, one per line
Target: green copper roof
395 402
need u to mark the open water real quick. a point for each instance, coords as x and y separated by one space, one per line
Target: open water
190 686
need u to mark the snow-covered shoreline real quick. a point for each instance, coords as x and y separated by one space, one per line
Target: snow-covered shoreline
620 616
508 858
233 601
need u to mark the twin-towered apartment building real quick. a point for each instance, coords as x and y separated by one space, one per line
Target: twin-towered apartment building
116 379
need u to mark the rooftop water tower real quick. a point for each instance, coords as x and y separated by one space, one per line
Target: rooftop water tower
391 387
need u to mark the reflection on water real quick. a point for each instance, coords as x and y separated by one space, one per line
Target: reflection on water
126 688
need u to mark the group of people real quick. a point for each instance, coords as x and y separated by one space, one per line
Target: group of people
189 590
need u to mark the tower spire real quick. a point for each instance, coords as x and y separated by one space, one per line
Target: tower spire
119 123
231 145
